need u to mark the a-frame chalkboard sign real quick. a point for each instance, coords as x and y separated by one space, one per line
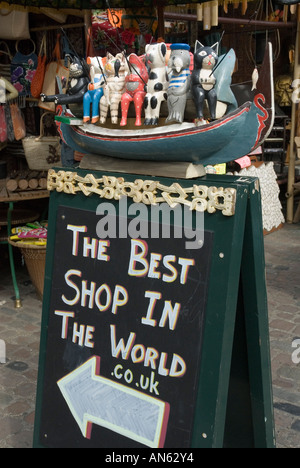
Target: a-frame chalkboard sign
154 332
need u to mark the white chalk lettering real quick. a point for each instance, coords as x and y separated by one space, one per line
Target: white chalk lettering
139 265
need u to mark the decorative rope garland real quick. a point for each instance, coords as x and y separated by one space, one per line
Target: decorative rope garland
198 197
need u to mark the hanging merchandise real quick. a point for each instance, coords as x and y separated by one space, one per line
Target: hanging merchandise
38 79
104 36
140 24
14 24
67 50
208 13
54 69
140 21
115 17
23 68
3 127
259 39
42 152
5 61
7 91
9 125
18 122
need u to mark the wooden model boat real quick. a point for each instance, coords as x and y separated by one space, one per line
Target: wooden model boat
234 135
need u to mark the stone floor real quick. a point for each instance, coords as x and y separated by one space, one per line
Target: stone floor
20 328
282 250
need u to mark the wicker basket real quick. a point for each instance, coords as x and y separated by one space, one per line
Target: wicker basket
35 260
42 153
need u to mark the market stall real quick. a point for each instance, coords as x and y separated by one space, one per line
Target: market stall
115 30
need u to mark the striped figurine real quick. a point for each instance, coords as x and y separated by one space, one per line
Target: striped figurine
179 81
114 70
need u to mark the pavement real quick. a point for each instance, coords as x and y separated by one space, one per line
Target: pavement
20 328
282 252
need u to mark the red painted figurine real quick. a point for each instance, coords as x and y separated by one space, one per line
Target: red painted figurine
135 83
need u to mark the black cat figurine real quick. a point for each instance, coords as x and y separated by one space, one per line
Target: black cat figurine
203 80
77 87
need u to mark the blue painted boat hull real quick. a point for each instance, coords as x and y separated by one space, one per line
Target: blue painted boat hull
224 140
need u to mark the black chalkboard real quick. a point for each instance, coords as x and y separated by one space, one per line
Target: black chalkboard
125 328
151 341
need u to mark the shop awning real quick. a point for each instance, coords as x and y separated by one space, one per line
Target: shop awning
92 4
104 4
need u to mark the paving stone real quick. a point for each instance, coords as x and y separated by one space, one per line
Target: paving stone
5 399
296 425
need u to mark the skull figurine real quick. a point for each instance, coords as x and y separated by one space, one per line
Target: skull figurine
283 90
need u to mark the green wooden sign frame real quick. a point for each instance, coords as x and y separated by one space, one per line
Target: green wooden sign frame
233 406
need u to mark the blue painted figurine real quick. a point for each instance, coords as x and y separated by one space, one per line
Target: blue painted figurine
95 91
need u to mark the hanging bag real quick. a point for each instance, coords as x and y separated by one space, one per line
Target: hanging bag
38 79
23 68
42 153
18 122
5 60
14 25
9 124
54 68
3 127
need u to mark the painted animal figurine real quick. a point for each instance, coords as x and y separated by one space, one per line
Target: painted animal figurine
203 80
114 70
95 90
135 83
158 81
180 81
78 84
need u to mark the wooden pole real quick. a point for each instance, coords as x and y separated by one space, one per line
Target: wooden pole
59 26
87 25
160 4
224 20
292 155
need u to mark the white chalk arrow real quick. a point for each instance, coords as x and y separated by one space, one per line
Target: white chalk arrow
95 399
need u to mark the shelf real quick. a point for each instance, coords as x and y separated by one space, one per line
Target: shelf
274 150
274 140
275 146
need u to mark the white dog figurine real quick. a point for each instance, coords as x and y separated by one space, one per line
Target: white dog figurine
158 81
